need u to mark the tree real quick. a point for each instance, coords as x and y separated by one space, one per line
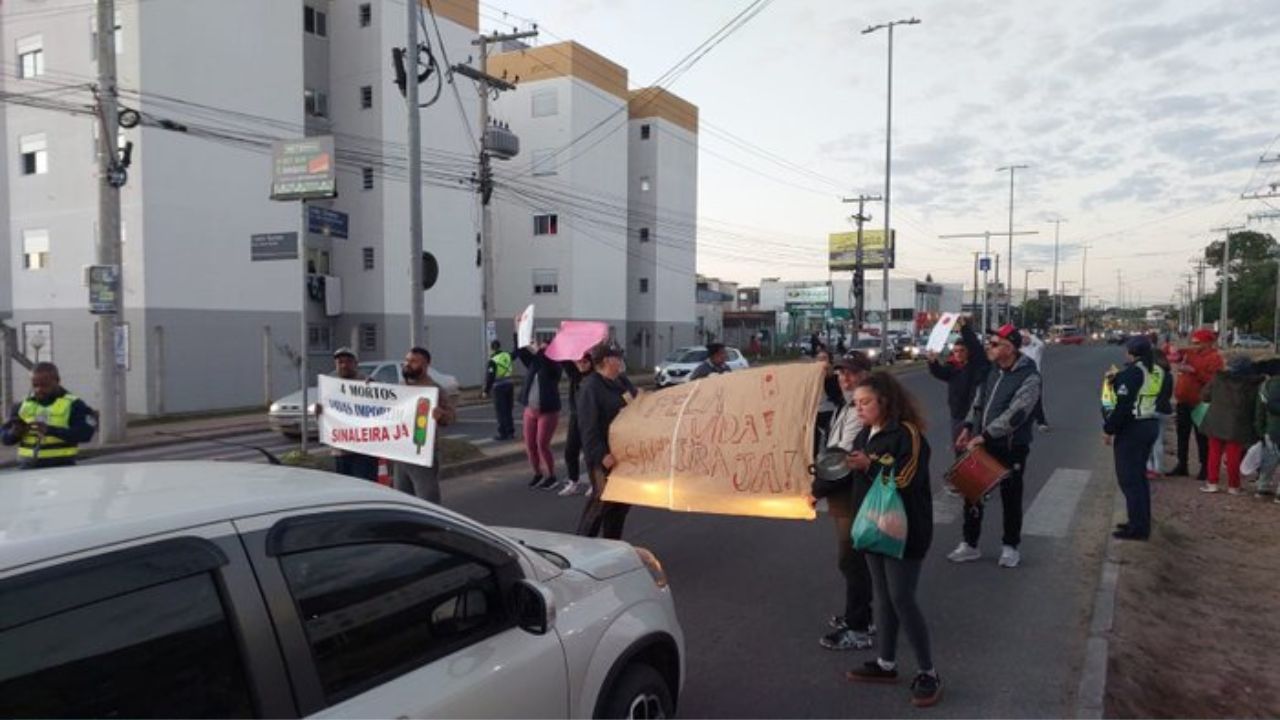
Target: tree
1037 313
1252 272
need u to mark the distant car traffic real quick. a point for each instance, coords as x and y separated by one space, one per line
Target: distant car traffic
676 368
285 415
218 589
870 346
1249 341
1071 339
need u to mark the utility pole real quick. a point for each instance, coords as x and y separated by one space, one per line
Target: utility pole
487 85
858 277
111 177
1200 266
1275 315
1056 225
889 243
1119 290
986 252
1009 258
1084 295
1224 316
412 11
1026 278
976 255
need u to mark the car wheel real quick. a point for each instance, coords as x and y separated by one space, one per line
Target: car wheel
641 692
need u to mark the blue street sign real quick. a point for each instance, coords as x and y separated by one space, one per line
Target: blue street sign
324 221
984 264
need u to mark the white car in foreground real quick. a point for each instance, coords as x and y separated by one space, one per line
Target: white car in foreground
677 368
230 590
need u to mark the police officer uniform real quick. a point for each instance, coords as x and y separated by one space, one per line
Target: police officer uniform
1133 425
68 423
498 384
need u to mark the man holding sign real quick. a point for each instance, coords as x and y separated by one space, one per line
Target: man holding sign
424 482
963 372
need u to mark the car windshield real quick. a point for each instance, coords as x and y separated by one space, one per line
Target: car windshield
868 343
692 356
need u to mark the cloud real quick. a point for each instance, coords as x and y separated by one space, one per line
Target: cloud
1140 186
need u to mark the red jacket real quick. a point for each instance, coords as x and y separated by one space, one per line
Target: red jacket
1204 363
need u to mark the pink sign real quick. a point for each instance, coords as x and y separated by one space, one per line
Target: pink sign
575 338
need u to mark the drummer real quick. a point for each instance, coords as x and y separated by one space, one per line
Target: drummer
851 630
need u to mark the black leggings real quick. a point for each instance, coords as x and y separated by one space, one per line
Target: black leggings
895 584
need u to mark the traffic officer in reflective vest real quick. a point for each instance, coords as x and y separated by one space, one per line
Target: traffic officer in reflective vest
49 426
497 383
1131 429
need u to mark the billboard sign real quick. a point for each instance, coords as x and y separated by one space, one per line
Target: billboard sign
819 295
843 250
304 169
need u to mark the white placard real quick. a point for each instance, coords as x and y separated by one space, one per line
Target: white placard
387 421
941 331
524 328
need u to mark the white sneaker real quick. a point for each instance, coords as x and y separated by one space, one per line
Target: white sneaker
1209 488
964 552
587 493
1010 557
570 488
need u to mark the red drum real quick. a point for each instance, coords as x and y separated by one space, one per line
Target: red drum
976 473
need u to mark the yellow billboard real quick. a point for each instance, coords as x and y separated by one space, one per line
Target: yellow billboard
843 248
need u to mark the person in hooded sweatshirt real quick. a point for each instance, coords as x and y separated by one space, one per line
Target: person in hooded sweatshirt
1230 421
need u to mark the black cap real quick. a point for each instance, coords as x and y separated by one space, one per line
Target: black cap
1138 346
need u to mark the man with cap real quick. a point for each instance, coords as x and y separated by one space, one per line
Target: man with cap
345 462
1195 367
1001 422
852 629
600 398
50 425
1131 428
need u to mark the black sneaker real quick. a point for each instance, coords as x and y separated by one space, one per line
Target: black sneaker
926 690
536 481
549 483
846 639
837 622
872 672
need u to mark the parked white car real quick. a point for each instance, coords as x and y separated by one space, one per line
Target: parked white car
676 368
285 415
1244 340
235 590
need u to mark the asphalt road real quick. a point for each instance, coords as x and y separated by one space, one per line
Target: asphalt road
753 594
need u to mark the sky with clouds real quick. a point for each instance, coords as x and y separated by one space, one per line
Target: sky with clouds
1142 122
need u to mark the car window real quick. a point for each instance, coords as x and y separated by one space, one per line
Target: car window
387 374
693 356
734 356
164 651
375 611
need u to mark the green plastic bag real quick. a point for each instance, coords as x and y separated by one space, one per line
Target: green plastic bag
1198 412
881 524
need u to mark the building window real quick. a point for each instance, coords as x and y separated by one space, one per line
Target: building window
366 178
546 103
544 162
35 249
368 337
315 21
644 234
368 258
34 150
366 15
366 97
902 314
316 102
645 185
546 224
644 286
31 57
546 282
319 338
644 131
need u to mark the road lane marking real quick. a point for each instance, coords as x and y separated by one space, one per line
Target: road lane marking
1055 505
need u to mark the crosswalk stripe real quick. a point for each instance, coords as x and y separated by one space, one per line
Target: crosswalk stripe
1050 515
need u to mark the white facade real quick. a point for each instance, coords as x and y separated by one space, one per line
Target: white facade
559 215
196 306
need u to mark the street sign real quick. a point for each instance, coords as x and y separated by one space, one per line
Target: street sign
304 169
984 264
273 246
323 221
104 288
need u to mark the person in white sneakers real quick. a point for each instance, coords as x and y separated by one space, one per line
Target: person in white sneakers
1001 421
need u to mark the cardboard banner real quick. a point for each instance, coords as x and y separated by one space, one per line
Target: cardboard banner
387 421
524 328
734 444
575 338
941 331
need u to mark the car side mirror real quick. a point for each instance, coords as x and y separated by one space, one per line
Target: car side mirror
535 608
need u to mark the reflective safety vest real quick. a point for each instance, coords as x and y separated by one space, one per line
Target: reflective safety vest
501 365
57 415
1152 380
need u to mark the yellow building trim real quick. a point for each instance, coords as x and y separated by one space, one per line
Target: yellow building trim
463 12
566 59
654 102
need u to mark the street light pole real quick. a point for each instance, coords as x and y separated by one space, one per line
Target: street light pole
1026 279
1008 304
1056 298
1224 316
889 240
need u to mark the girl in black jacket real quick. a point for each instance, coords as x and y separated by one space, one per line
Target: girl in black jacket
892 440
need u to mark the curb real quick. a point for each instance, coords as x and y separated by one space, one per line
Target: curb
466 467
1092 693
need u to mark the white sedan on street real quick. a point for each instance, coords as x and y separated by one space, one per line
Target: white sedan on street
233 590
285 415
676 369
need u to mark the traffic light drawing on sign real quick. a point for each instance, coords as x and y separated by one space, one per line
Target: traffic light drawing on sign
421 417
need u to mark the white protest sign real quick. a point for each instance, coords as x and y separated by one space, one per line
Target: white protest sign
387 421
941 331
524 328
